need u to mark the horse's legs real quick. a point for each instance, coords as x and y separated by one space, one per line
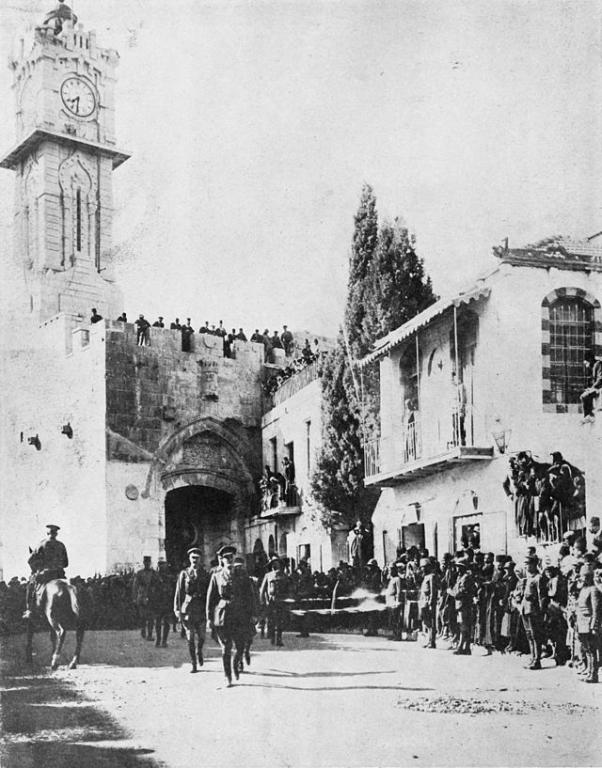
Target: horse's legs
79 639
29 643
59 631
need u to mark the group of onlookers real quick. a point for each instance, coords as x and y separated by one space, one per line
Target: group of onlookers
309 354
549 498
284 340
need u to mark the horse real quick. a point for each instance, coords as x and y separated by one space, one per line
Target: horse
61 606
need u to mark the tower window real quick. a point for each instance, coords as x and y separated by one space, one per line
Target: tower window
571 340
78 220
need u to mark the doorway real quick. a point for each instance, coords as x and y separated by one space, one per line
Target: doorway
196 516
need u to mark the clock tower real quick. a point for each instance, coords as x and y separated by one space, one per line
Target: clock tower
64 160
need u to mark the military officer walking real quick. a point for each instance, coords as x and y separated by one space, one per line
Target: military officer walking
229 597
274 589
189 605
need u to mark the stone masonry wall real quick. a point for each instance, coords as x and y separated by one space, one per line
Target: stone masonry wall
153 391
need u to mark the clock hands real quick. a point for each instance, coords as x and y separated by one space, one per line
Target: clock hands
75 101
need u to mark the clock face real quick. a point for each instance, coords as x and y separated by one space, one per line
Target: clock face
78 97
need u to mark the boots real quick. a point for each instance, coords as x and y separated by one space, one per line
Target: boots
165 635
227 662
192 654
592 668
199 654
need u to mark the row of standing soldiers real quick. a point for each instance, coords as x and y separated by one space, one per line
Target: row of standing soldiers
554 611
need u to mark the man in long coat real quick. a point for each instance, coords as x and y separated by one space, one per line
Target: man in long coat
229 596
189 605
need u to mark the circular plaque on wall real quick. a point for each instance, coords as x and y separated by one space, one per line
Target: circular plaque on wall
131 492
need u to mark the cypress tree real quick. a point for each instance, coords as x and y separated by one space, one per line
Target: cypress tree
387 287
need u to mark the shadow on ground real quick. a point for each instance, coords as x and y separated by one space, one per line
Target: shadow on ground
46 722
127 649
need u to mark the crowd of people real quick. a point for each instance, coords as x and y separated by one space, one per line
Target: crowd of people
549 498
271 341
309 354
544 608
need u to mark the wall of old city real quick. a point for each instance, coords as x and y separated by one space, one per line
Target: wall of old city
64 481
153 393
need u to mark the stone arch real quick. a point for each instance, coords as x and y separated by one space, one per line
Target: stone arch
178 476
547 302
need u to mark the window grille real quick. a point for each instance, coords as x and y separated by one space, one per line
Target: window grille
571 341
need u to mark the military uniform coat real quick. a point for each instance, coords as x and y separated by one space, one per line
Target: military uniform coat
191 594
230 600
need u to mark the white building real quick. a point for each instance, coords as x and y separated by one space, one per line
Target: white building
518 337
293 429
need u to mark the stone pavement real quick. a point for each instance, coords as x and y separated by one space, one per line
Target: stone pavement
330 700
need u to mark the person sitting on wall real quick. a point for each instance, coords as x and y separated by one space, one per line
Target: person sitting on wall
241 335
95 317
123 318
306 352
593 367
175 326
204 328
276 341
159 323
257 337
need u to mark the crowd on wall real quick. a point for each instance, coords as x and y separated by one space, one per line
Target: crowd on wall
274 341
309 354
549 498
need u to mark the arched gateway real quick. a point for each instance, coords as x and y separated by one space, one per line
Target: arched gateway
208 489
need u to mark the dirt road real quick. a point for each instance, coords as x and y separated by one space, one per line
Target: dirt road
330 700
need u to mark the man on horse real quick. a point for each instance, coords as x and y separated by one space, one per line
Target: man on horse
47 561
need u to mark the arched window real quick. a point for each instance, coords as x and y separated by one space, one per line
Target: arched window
571 341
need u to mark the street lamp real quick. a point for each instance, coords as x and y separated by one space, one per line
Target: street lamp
501 435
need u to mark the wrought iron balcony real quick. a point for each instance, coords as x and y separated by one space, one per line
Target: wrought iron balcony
423 446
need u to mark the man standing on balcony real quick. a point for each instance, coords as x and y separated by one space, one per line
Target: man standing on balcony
458 410
357 550
289 477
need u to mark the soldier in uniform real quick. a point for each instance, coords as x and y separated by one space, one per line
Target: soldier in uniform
189 605
273 591
229 596
144 584
463 592
427 601
248 626
162 604
532 609
47 561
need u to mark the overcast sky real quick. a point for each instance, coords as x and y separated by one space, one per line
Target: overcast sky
252 126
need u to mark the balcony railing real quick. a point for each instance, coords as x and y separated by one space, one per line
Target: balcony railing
424 439
372 457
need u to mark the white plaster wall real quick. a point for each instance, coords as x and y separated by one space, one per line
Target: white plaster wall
136 527
508 386
62 483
